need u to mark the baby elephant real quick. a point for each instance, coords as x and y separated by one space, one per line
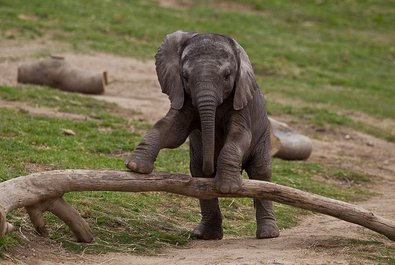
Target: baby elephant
216 102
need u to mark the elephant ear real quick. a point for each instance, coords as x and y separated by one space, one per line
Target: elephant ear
168 66
245 80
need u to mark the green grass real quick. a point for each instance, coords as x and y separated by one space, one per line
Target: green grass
131 222
7 242
336 52
325 118
64 102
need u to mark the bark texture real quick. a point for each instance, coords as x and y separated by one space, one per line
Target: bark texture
43 191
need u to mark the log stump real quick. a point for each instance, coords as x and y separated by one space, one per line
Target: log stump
57 73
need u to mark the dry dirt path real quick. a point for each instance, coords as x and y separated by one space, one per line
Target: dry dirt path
133 85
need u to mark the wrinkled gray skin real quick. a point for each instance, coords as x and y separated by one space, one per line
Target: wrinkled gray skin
216 102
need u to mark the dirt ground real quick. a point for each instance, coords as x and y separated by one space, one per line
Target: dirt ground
133 85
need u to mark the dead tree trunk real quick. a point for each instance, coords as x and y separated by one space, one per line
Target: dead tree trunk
41 192
56 72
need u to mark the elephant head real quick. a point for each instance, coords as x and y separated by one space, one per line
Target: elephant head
208 68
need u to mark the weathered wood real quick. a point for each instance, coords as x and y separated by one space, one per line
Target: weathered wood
35 189
5 227
58 73
288 144
65 212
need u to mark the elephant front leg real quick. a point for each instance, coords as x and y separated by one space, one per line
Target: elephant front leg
143 157
229 165
169 132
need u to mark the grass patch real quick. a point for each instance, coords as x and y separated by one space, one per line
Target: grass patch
39 140
337 183
134 222
336 52
125 222
373 250
62 101
7 242
327 118
351 177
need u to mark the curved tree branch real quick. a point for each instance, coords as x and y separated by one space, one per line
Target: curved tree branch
43 191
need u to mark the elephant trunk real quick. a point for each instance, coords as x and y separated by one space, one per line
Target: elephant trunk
207 109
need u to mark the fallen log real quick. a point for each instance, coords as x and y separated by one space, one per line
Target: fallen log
288 144
56 72
43 191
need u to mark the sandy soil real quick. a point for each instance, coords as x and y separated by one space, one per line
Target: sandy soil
133 85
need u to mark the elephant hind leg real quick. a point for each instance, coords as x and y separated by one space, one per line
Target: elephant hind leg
259 168
265 220
210 227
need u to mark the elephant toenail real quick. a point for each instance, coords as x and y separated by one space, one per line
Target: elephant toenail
224 189
132 165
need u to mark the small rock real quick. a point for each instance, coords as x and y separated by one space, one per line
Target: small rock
347 137
68 132
369 143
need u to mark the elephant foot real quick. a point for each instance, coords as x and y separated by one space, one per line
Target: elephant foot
207 232
267 228
139 165
228 184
